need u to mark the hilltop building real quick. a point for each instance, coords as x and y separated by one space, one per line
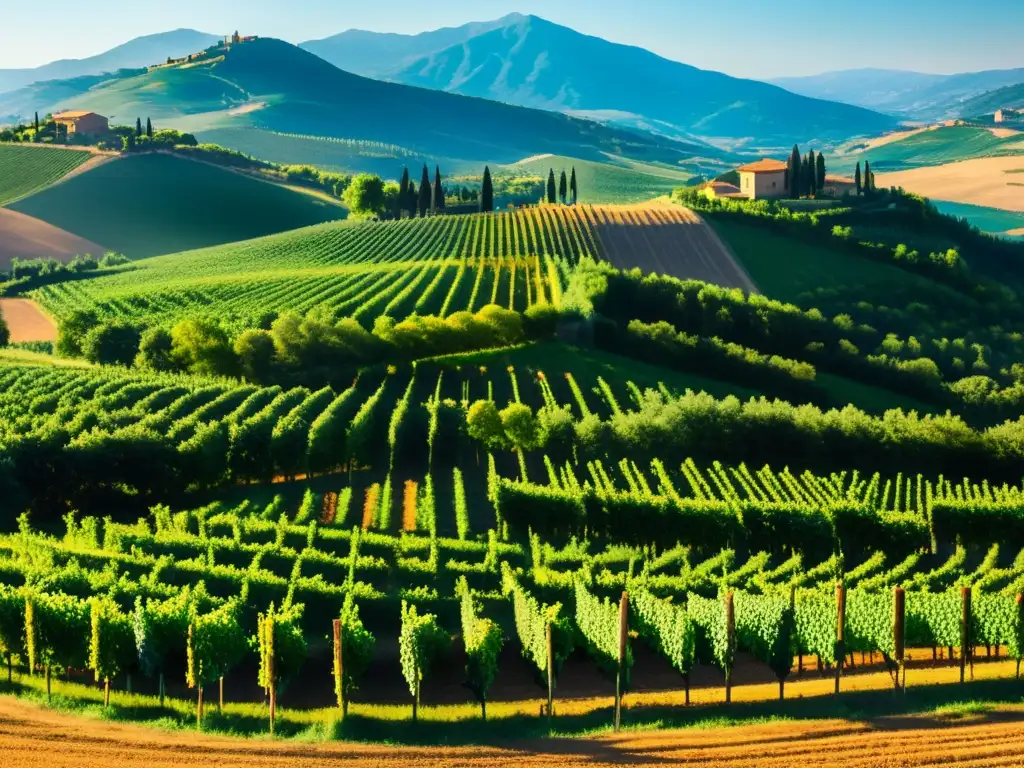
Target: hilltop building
1009 116
764 179
83 122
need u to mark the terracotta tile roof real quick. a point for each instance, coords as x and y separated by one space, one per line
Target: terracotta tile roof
764 166
74 115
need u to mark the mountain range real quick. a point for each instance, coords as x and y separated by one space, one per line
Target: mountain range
140 52
531 62
909 95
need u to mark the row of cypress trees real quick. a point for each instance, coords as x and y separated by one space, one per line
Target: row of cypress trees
567 192
806 173
428 198
866 183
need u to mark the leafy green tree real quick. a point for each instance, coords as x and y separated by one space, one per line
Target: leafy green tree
201 346
111 643
5 332
72 332
215 644
520 426
420 642
437 203
573 191
155 351
563 190
255 352
552 194
365 196
487 192
128 143
111 343
425 192
856 178
794 173
482 638
483 423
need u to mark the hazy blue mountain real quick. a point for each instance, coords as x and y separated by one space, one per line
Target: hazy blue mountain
1011 96
140 52
376 54
911 95
295 93
532 62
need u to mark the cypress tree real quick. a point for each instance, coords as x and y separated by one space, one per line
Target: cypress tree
149 128
486 192
812 174
856 177
869 185
410 200
794 173
37 126
138 127
403 194
572 185
563 188
438 201
425 195
821 171
551 186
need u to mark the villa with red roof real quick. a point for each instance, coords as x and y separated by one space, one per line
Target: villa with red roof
764 179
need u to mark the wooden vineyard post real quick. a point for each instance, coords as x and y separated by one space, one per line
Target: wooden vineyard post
47 683
623 633
965 630
548 631
899 608
106 692
840 631
220 697
199 706
272 689
162 689
1020 628
338 668
730 633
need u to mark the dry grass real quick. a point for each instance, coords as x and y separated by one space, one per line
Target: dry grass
370 504
983 181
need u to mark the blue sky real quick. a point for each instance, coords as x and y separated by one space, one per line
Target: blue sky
748 38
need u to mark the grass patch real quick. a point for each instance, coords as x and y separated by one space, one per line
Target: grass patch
153 204
26 169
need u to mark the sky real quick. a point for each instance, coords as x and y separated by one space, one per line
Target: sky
744 38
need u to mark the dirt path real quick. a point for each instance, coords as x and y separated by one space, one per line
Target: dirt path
667 239
26 321
986 181
31 737
26 237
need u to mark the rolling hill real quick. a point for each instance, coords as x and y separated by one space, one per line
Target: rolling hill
268 87
910 95
946 144
152 204
532 62
140 52
987 103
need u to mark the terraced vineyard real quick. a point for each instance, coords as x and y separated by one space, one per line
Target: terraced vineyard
435 266
23 170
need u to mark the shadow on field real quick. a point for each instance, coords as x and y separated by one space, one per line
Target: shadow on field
925 706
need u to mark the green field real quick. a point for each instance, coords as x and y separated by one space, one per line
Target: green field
938 147
614 181
27 169
991 220
814 276
152 204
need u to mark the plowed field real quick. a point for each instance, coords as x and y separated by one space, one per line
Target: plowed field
26 321
34 738
667 239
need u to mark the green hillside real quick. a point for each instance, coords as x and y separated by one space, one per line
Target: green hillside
151 204
26 169
949 144
268 86
610 181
